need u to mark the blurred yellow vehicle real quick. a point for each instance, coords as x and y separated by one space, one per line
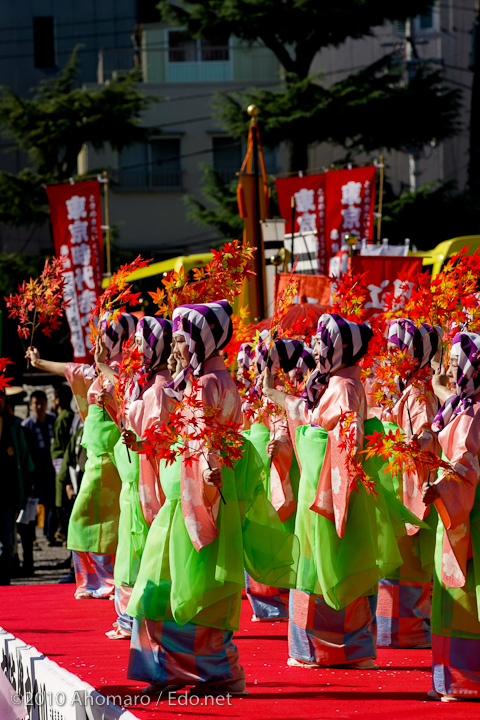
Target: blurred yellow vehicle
434 260
188 261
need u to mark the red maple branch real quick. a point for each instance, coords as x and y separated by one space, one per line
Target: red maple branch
39 303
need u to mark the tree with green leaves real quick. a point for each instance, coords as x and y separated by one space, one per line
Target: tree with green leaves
381 107
431 214
52 126
221 211
371 110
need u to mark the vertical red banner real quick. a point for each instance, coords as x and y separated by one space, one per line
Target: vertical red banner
76 217
309 197
332 204
350 201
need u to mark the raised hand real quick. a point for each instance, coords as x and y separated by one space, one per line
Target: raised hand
100 351
32 355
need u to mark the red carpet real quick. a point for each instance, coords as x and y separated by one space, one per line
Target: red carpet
71 633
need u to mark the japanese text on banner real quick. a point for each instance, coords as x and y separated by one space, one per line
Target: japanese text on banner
331 205
76 220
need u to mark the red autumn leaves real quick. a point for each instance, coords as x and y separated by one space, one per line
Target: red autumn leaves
39 303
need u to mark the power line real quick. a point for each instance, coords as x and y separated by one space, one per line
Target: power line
463 8
92 21
175 157
232 88
457 68
459 84
98 21
239 88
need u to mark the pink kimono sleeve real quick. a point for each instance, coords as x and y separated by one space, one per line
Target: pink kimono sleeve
335 481
297 415
80 378
152 406
461 443
421 413
200 502
93 397
282 497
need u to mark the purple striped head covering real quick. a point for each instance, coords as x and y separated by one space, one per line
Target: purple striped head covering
421 343
207 327
465 346
342 342
156 336
306 364
278 354
244 360
115 334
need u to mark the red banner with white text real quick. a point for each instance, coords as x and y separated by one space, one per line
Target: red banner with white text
76 217
332 204
385 274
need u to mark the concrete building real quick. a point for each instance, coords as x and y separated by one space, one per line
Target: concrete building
37 38
151 180
442 36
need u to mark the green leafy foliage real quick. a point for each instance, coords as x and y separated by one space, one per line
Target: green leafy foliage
223 210
52 126
294 30
369 110
435 212
15 268
372 110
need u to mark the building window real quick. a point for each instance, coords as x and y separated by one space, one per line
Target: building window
228 156
43 42
166 162
183 48
152 165
421 24
217 51
426 21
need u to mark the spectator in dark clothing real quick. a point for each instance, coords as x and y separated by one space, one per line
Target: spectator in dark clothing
16 465
69 478
39 434
62 434
73 465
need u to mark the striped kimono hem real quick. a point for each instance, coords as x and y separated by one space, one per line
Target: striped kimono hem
163 652
403 613
94 574
268 603
319 634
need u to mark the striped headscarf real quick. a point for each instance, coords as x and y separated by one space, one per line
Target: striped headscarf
115 334
306 363
465 346
342 342
421 343
207 327
244 360
279 354
156 336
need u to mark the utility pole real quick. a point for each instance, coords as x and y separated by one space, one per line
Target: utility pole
412 61
474 160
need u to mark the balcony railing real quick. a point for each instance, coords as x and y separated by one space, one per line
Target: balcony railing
148 179
159 63
229 175
115 61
